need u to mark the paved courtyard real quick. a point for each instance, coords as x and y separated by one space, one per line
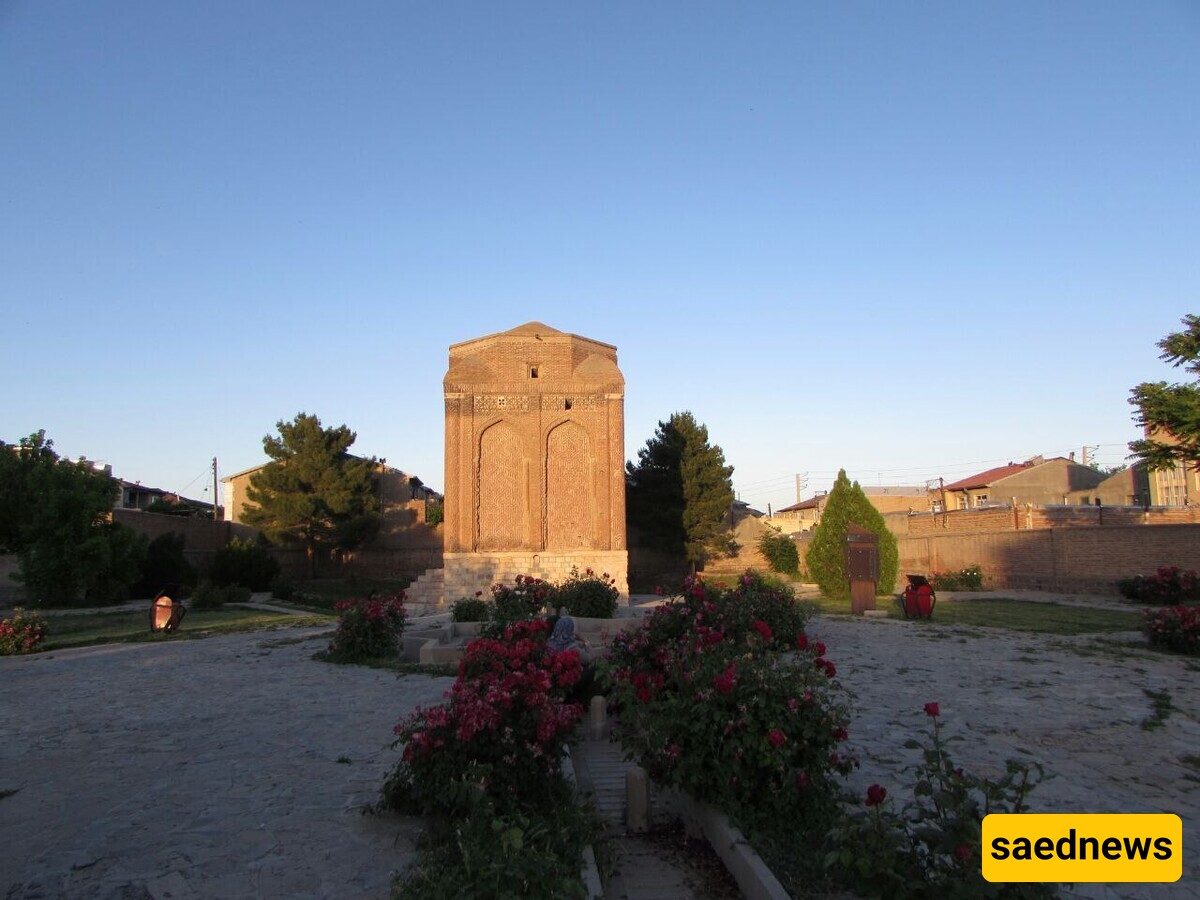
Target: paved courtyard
231 767
1074 704
236 766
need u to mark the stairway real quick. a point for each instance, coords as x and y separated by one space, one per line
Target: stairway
426 594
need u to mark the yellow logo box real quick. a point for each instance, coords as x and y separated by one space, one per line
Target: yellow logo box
1082 848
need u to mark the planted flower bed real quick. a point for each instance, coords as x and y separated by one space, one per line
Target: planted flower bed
486 765
723 695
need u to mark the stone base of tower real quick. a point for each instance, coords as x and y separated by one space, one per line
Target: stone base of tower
466 573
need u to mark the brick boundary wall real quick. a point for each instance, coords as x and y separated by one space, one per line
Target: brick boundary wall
1069 559
1026 517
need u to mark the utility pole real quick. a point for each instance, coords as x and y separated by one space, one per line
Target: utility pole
216 497
801 484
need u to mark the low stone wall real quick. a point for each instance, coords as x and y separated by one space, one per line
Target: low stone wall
467 573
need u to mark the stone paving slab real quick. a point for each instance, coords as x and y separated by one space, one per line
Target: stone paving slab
231 767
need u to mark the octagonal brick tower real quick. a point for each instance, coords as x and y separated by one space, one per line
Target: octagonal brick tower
535 459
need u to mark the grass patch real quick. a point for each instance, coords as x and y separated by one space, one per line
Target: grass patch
1000 612
1026 615
1162 707
134 627
322 593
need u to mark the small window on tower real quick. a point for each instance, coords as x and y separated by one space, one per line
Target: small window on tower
533 371
566 404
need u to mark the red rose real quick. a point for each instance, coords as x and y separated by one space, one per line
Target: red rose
931 709
875 795
962 852
802 641
776 737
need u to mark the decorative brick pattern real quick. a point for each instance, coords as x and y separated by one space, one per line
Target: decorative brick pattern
502 492
535 459
570 504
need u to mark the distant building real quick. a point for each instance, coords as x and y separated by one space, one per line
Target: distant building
1038 481
403 500
802 516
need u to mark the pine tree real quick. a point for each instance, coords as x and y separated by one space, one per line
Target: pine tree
1171 412
680 491
826 560
313 492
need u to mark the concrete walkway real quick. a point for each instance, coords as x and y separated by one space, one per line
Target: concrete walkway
644 871
231 767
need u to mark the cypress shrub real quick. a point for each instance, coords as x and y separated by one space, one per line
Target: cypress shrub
826 559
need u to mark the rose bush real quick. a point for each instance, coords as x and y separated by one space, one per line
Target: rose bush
1169 586
929 848
526 598
1175 628
23 632
368 629
486 765
588 595
499 735
708 705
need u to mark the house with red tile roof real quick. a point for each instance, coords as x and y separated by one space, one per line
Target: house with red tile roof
1037 480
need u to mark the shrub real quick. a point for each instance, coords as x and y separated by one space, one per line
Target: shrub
969 579
246 563
526 598
210 596
284 590
705 705
368 629
1176 628
23 632
780 552
588 595
532 854
847 504
469 609
500 734
1169 586
165 565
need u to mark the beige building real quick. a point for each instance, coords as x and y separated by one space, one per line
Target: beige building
805 515
403 505
1038 481
535 459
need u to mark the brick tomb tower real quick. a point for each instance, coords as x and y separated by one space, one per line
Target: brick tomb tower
535 459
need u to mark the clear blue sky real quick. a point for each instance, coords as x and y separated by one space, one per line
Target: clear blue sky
910 239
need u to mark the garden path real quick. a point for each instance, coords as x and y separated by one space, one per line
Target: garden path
643 869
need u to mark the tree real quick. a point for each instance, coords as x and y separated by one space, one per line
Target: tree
56 516
313 492
780 552
1170 413
680 491
826 561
